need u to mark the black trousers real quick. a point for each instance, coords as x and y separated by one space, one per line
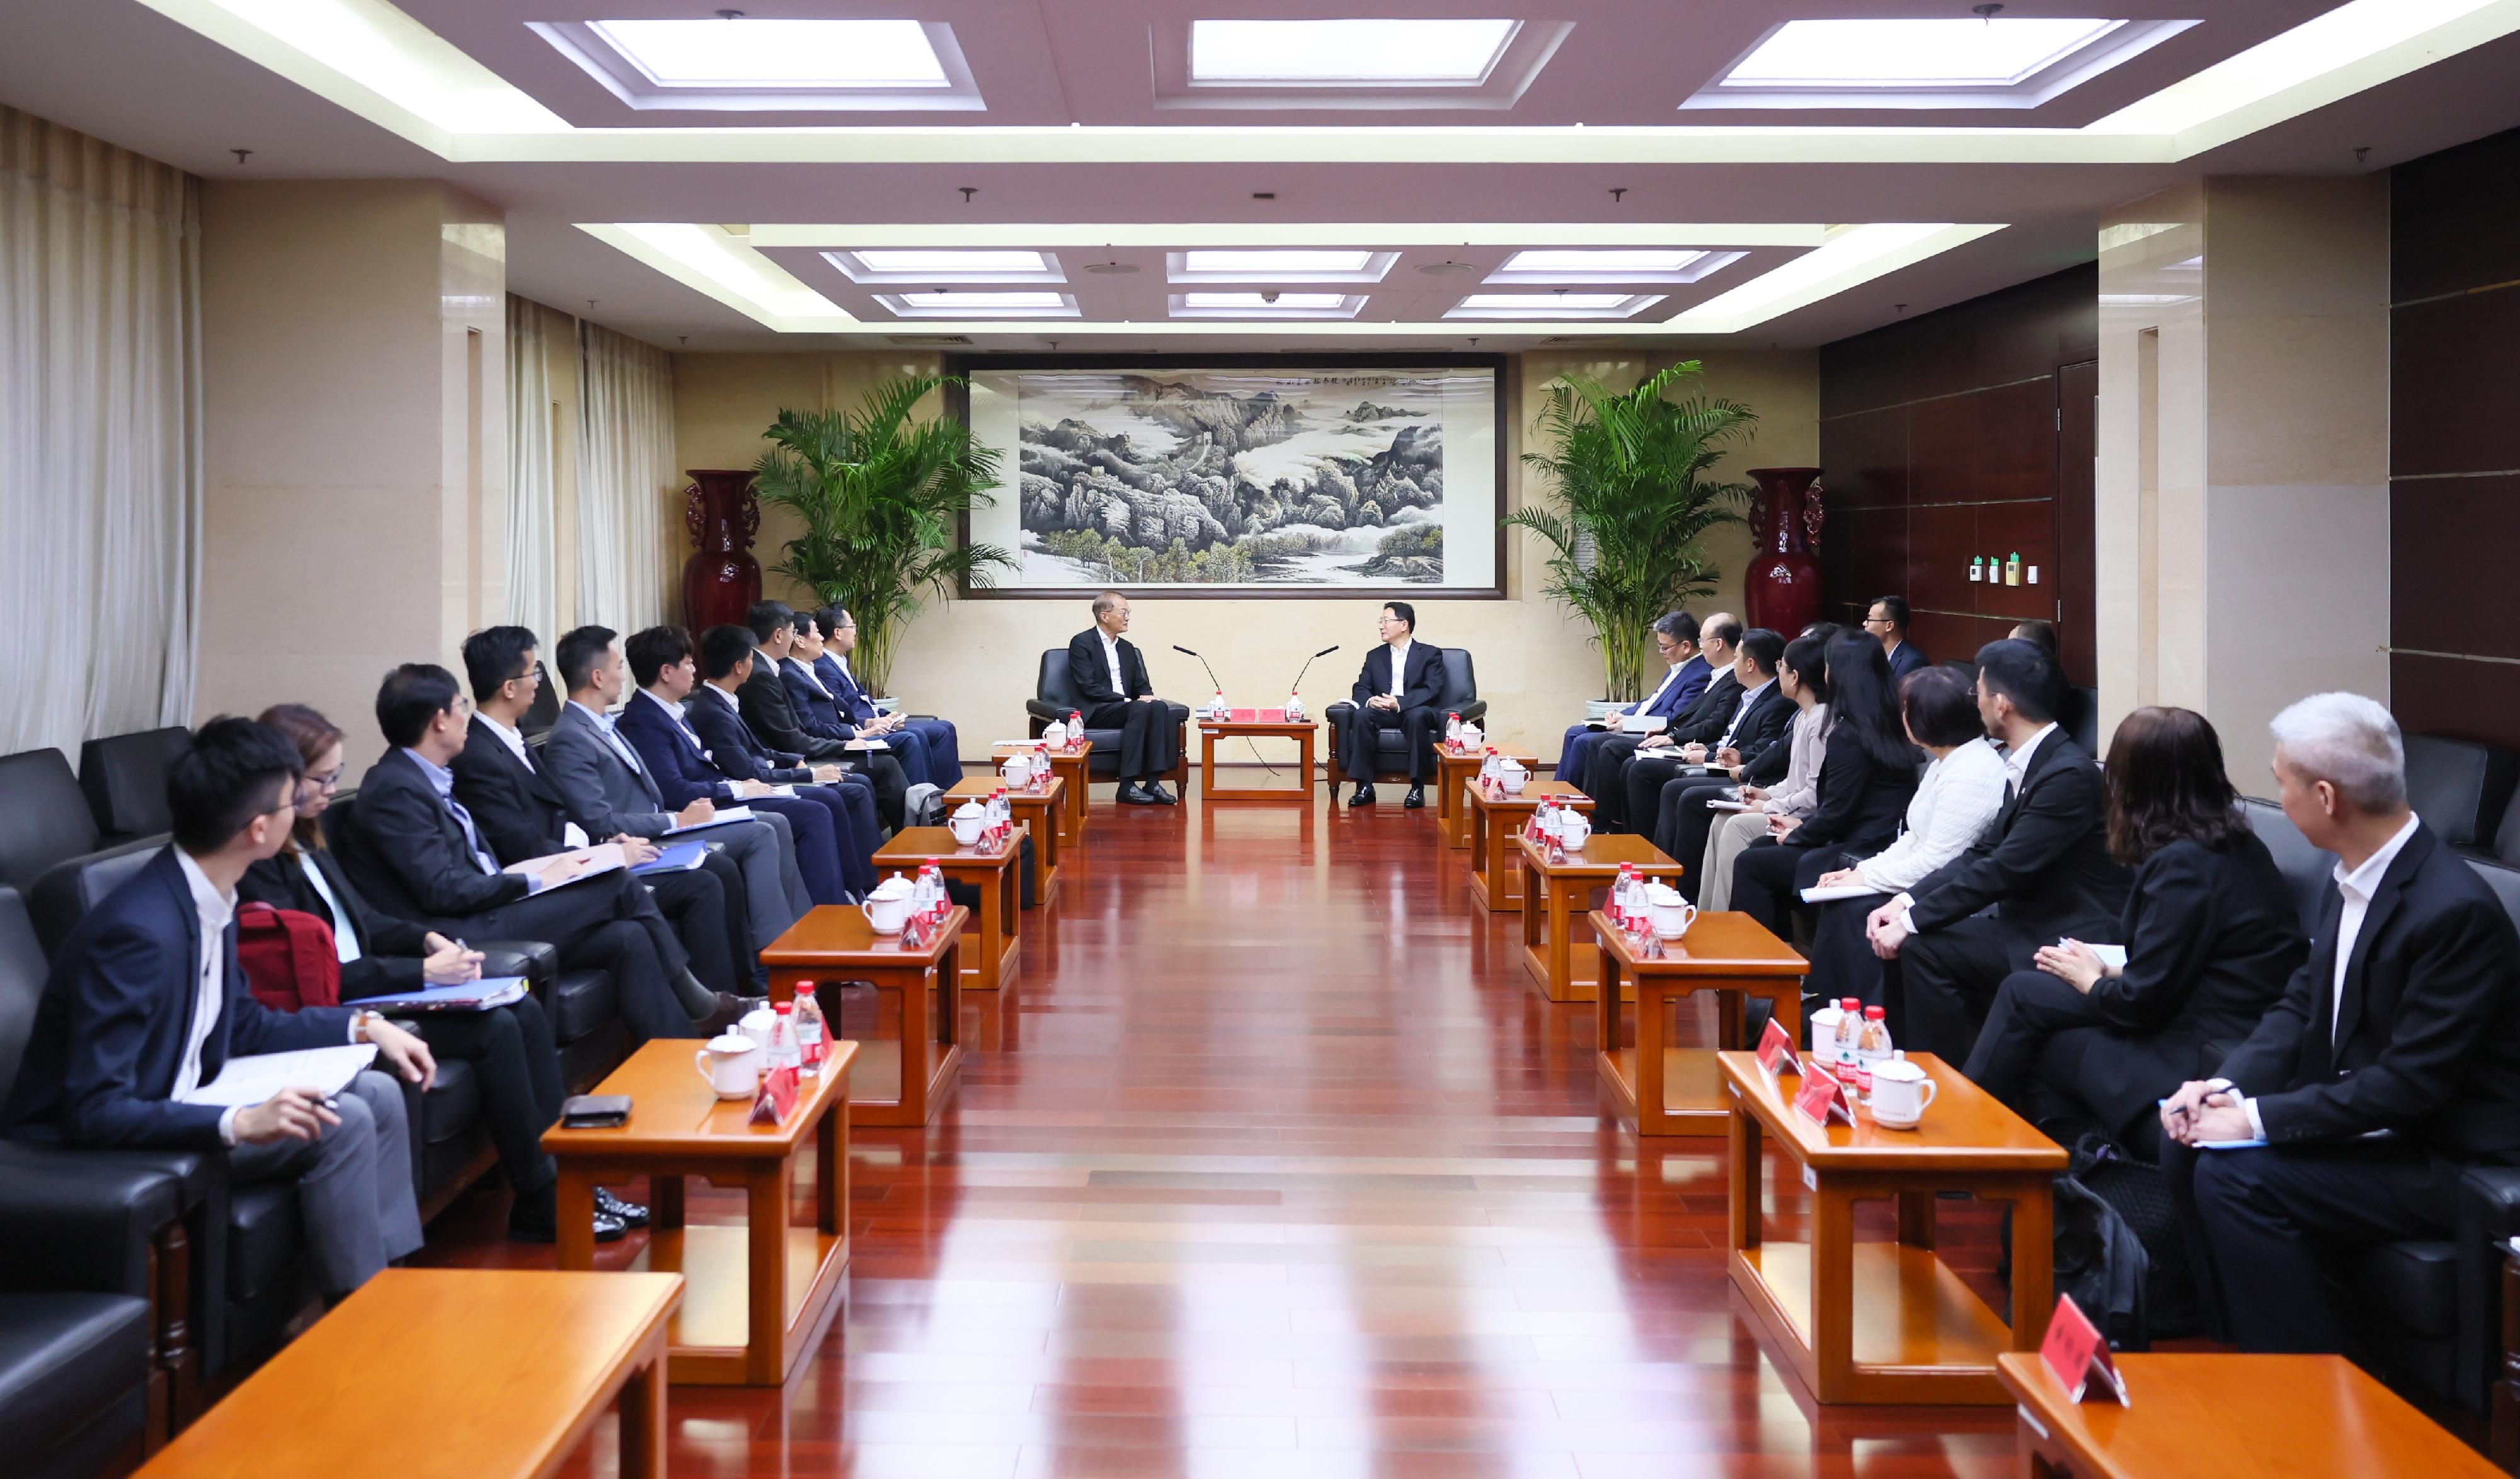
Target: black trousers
1680 821
711 921
605 923
1149 739
517 1068
2045 1050
1604 779
891 783
1939 989
1842 962
1418 729
1768 879
1636 803
2266 1225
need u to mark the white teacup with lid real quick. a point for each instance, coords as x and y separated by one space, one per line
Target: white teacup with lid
757 1024
969 821
1513 776
1672 912
1901 1091
888 906
1055 734
1574 829
730 1064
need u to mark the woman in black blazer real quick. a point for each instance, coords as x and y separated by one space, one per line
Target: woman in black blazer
1867 775
509 1047
2212 936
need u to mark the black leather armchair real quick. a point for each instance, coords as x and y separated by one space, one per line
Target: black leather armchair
1461 695
1054 696
125 778
46 818
2460 788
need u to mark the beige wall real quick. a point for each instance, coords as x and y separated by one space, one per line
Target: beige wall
355 412
2243 451
975 661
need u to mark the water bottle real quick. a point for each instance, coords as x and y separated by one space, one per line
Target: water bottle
1294 708
1850 1027
1872 1040
1075 728
783 1038
1216 706
1453 728
809 1029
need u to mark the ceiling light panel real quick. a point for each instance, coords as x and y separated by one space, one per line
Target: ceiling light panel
1553 306
1278 265
1266 305
978 305
877 266
1550 265
769 63
2000 61
1346 51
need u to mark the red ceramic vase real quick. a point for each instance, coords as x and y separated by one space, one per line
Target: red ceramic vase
721 580
1780 589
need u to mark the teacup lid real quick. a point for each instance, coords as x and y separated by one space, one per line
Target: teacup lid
729 1041
763 1013
1663 893
1899 1068
971 810
894 887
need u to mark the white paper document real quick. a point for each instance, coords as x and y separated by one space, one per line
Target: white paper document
257 1077
2111 955
602 858
1731 806
726 815
1841 892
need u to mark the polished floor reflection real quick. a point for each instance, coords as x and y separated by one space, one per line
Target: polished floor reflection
1273 1164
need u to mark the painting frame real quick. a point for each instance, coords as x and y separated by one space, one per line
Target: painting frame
1500 367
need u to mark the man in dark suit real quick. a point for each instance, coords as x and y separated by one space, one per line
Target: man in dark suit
826 658
1747 746
417 853
147 1004
1605 770
1397 687
523 816
1684 676
2042 870
716 714
1886 619
2391 1062
762 699
608 790
1110 675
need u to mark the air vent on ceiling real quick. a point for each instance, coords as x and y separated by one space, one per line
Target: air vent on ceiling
1112 269
1447 269
1569 340
928 340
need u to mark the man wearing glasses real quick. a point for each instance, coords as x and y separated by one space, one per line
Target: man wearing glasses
1887 620
1684 676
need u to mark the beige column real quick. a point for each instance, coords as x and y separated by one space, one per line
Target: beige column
2242 540
355 426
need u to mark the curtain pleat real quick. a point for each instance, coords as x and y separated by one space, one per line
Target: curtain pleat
101 485
625 478
533 518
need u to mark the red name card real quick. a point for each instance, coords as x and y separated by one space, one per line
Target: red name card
1242 716
1273 716
1776 1050
1823 1097
778 1095
2075 1353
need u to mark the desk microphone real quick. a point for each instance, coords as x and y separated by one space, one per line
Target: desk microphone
1308 667
1203 662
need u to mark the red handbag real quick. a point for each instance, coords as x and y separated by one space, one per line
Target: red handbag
288 958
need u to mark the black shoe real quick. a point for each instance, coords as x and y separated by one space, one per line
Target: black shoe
1416 800
729 1010
1363 796
627 1213
1132 794
1157 793
538 1229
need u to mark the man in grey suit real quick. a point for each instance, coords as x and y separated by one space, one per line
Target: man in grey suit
608 790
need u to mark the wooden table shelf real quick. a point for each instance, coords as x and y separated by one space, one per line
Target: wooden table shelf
1496 863
1045 811
833 943
994 941
1456 769
1557 951
1304 733
1068 765
1659 1089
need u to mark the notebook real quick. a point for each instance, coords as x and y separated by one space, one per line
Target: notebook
257 1076
464 996
727 816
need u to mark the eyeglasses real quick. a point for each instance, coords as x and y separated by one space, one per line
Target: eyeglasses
1876 621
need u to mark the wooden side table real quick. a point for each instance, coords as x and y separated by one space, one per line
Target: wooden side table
753 1294
1455 770
1211 731
1044 811
901 1081
1557 952
1068 765
1663 1090
2503 1398
2194 1412
990 948
1496 863
1889 1321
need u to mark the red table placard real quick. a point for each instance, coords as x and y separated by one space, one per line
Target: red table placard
1823 1096
776 1097
1272 716
1242 716
2073 1351
1776 1050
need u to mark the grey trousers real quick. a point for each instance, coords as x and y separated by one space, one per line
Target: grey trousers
353 1183
773 889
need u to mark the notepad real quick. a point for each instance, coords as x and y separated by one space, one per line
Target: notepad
682 857
2239 1144
603 857
2111 955
257 1076
727 816
463 996
1731 806
1839 892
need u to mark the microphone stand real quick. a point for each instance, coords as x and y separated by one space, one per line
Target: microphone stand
1220 688
1308 667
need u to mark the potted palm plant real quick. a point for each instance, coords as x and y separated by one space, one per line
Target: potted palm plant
1631 493
880 497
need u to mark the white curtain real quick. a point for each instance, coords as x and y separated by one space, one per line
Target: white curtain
100 437
625 477
533 556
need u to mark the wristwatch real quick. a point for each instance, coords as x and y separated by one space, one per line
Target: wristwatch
361 1021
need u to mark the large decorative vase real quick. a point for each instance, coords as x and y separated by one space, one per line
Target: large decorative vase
1781 587
721 580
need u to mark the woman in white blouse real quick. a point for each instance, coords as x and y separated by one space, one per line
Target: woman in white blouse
1803 675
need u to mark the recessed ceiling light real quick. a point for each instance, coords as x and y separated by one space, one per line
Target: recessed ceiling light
1910 53
978 305
773 53
1209 262
1534 305
1598 259
1265 304
952 261
1346 51
915 266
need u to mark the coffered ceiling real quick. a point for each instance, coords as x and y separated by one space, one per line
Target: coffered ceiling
710 190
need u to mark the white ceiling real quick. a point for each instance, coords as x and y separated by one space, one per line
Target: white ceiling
139 73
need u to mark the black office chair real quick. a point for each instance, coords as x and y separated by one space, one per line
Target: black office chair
1054 696
2460 788
544 711
46 819
1460 695
124 776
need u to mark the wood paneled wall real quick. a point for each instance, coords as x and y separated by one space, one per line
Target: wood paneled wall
2455 441
1962 432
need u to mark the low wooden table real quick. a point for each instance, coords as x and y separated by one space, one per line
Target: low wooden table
1068 765
1455 769
1044 811
754 1293
2242 1416
499 1373
1557 951
1496 863
989 951
1889 1321
1663 1090
1302 731
901 1081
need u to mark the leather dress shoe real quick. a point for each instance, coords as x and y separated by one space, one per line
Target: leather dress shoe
1416 800
730 1009
1363 796
628 1214
1132 794
539 1231
1157 793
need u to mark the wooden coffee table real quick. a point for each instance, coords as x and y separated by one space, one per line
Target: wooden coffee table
1456 769
1496 863
2242 1416
1663 1090
989 951
1889 1321
901 1081
1301 732
498 1372
1557 951
1068 765
1041 810
754 1293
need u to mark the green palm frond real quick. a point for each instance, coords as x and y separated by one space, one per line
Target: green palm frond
880 497
1629 474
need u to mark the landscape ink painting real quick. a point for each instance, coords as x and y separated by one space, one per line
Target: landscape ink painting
1276 480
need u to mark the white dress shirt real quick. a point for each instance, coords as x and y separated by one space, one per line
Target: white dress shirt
805 670
1958 796
674 712
345 939
2354 889
570 833
1399 667
607 726
1741 710
217 911
1111 659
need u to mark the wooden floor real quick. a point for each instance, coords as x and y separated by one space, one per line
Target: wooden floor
1275 1165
